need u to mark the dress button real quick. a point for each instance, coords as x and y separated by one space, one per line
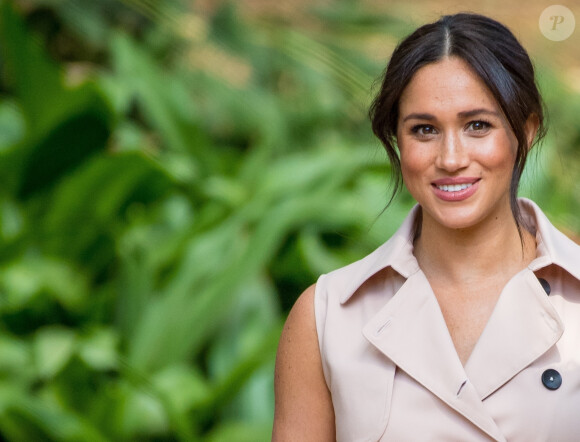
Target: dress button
545 285
551 379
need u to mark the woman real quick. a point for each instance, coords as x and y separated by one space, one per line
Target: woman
465 325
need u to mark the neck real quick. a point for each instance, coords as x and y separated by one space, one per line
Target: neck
466 255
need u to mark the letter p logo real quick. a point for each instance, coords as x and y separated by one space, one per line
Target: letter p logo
557 22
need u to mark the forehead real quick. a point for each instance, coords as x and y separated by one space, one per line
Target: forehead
447 85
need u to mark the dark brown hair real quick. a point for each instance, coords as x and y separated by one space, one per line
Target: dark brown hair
493 53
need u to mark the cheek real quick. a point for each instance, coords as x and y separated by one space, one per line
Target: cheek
414 163
499 154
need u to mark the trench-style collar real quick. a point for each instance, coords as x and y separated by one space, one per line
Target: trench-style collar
411 331
396 253
553 247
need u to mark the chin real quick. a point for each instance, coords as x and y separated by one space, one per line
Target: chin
457 218
461 225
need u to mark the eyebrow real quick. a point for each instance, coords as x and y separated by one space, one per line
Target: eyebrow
464 114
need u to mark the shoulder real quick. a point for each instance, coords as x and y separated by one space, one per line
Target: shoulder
300 325
303 406
304 305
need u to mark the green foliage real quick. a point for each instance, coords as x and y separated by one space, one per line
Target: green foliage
169 183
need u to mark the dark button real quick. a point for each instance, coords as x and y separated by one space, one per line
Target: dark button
551 379
546 285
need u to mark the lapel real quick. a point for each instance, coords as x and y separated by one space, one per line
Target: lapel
522 327
411 331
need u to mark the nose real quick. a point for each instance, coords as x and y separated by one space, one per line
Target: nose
452 155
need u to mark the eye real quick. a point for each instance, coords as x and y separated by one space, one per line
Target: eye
478 126
423 130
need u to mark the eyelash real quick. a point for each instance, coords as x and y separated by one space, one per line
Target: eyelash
415 129
486 124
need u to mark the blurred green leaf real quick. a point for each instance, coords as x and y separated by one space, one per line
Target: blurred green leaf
16 355
52 348
99 349
64 148
161 100
64 125
11 219
240 432
12 125
35 79
23 418
31 276
184 387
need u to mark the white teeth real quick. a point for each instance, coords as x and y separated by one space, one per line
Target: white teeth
454 187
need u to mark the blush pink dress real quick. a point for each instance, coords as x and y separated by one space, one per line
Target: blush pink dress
393 372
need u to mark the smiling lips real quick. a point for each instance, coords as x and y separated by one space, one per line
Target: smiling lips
455 189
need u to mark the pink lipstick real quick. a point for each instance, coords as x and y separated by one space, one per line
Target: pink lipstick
455 189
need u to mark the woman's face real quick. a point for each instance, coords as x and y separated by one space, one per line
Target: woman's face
457 150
